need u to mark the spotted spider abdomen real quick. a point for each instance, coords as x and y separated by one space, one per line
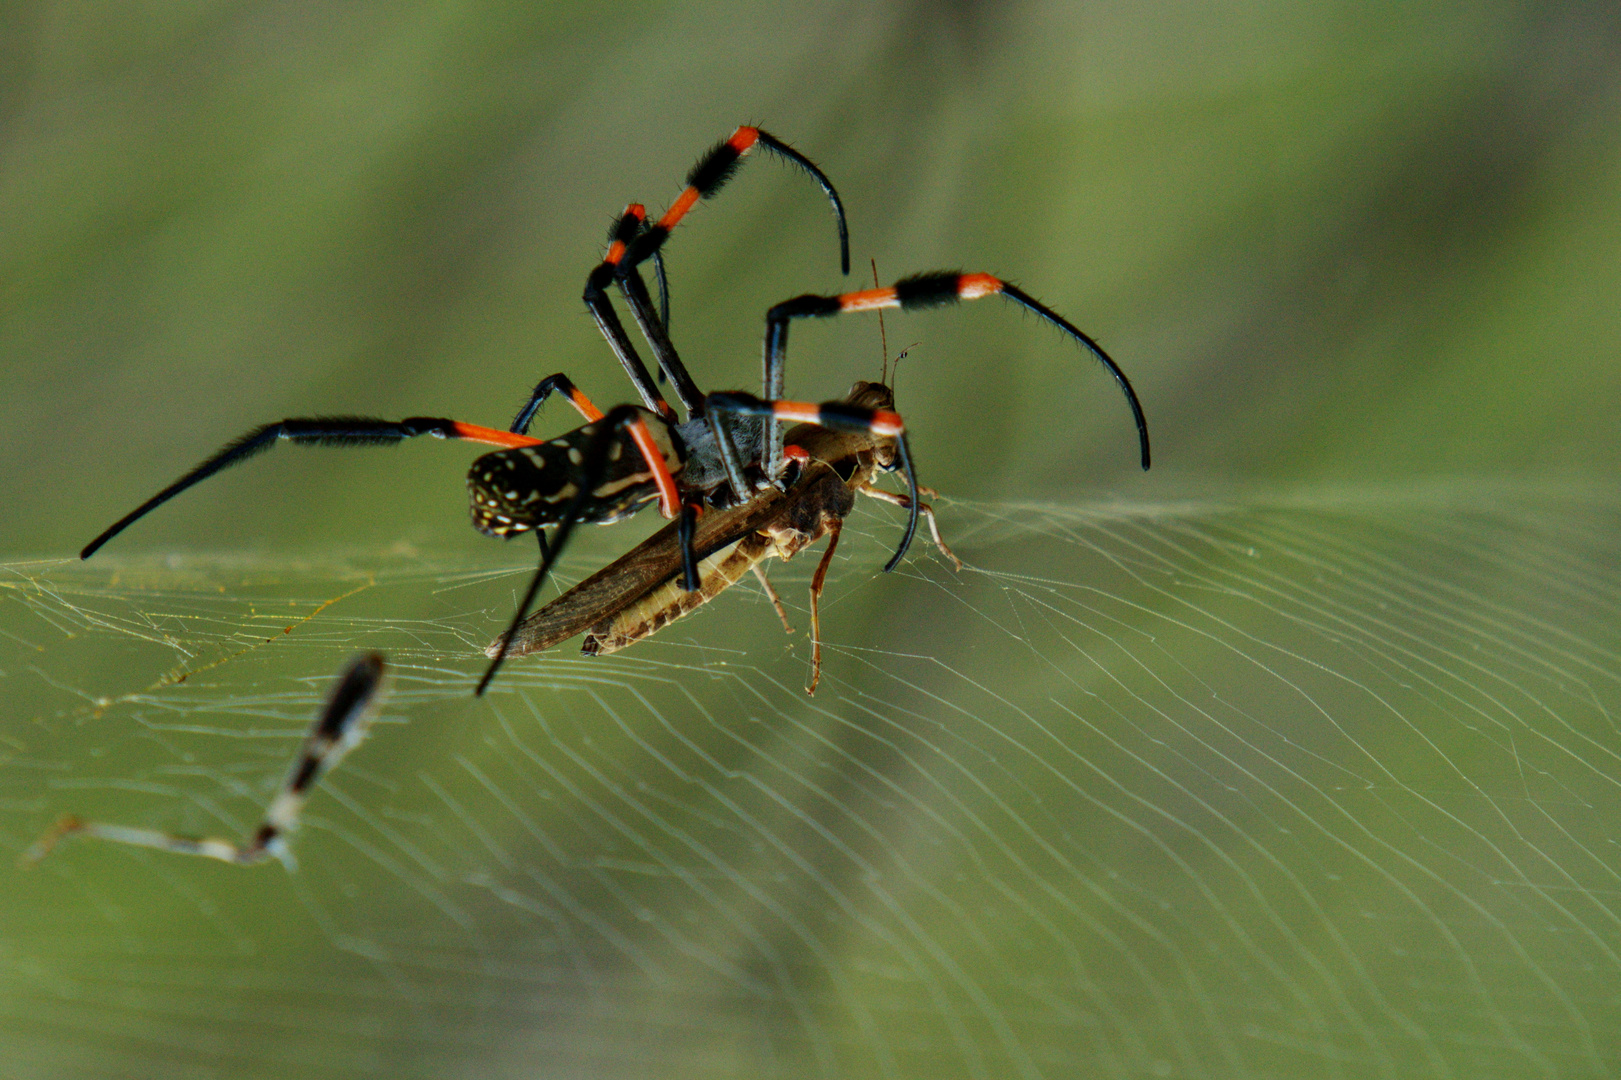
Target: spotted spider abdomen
531 487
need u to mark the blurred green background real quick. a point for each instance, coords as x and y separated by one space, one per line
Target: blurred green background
1329 242
1294 756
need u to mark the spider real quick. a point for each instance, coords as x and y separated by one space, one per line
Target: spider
339 728
638 594
727 451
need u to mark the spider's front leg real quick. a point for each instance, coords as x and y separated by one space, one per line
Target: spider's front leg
911 294
339 431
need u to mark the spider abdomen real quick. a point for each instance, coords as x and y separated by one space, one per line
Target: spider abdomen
531 487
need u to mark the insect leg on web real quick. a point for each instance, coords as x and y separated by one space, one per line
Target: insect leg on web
340 726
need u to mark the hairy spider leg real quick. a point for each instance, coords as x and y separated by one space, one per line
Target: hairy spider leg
624 230
554 384
621 233
836 416
339 728
623 419
910 294
704 180
314 431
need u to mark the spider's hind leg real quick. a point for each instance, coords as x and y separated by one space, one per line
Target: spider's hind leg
554 384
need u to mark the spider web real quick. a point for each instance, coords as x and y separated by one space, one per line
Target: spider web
1314 786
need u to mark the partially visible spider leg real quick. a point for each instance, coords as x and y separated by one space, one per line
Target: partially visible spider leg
771 594
914 293
554 384
625 229
634 291
722 430
314 431
339 728
834 526
705 179
836 416
685 531
624 419
905 501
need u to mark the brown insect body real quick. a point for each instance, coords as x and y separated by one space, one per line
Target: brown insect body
818 506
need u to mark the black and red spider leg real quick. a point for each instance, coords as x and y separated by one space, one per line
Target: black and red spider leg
314 431
706 178
625 229
554 384
623 420
910 294
836 416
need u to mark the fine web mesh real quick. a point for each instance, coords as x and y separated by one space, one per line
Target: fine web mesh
1298 787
